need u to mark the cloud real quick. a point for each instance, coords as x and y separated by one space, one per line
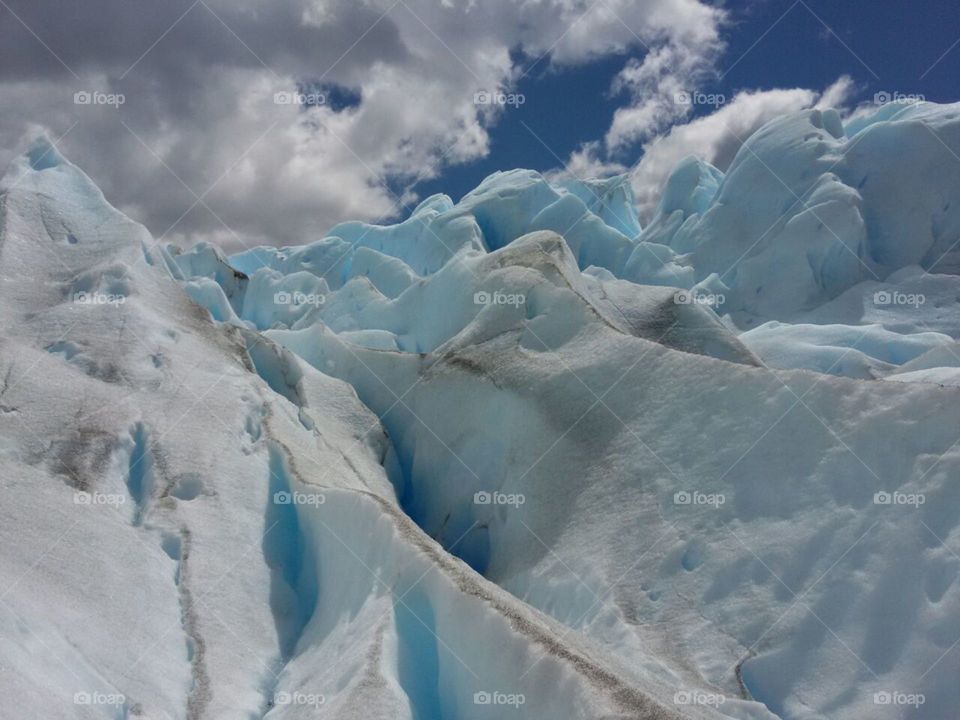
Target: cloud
659 88
587 162
200 150
838 95
717 137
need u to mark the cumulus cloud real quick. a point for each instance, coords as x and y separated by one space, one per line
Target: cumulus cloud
659 89
838 95
717 137
588 162
200 149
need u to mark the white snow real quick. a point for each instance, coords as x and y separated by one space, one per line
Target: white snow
198 525
514 448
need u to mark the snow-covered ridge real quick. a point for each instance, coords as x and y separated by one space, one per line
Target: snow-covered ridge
199 525
513 457
812 223
579 404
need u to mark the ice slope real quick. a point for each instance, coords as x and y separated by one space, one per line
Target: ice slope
809 223
657 516
611 199
867 351
808 209
504 207
196 524
660 482
535 275
939 366
599 430
821 224
910 300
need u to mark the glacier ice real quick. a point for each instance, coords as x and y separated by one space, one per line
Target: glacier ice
866 351
514 456
205 526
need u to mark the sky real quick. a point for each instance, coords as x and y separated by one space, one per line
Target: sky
882 45
247 122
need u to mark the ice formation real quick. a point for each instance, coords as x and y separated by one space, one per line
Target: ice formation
513 457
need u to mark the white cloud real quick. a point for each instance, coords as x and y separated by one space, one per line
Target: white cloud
717 137
657 87
202 96
587 162
838 95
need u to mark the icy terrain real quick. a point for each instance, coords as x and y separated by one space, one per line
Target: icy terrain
514 457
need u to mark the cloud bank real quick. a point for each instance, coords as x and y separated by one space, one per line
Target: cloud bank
201 147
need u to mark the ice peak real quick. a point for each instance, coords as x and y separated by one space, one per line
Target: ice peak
42 154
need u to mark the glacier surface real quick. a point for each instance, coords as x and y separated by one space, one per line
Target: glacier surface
515 456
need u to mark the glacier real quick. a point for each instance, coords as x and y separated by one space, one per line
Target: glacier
516 456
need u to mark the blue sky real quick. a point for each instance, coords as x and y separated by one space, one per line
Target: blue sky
883 45
201 150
